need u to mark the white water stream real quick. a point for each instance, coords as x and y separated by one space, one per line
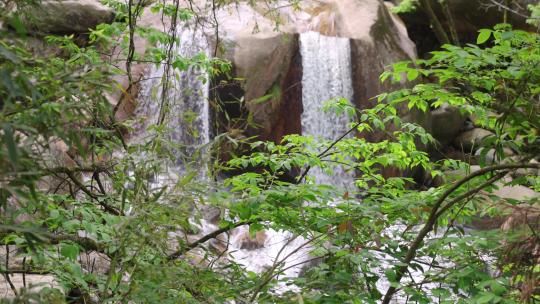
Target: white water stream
327 74
187 119
326 63
187 124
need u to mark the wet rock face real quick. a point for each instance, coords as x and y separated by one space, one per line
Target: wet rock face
272 85
252 243
269 65
387 44
69 16
290 103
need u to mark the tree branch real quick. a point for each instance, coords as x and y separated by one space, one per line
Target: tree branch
205 238
328 149
435 22
105 206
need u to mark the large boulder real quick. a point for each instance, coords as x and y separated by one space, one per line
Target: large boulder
68 16
267 60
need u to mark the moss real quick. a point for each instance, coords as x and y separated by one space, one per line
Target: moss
383 28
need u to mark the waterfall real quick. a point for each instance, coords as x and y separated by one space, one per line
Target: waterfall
188 119
188 124
327 74
326 65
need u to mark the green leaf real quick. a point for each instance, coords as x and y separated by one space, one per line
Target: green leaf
412 74
390 275
9 55
17 24
10 144
485 298
69 251
483 36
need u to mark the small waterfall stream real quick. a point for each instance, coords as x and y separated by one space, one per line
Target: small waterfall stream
327 74
188 126
326 65
188 114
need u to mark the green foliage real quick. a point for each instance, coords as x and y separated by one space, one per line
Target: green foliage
72 185
499 85
406 6
535 14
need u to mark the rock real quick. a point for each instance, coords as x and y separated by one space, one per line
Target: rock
212 214
34 283
447 122
269 63
94 262
522 215
220 244
487 222
245 241
373 51
526 172
470 140
68 16
198 257
454 175
515 192
514 207
491 156
15 258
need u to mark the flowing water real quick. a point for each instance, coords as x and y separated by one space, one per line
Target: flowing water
326 65
187 124
327 74
187 119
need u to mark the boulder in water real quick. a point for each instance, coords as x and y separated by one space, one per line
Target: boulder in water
246 241
447 122
470 140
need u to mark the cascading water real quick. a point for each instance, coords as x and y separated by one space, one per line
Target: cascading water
327 74
326 65
188 125
186 98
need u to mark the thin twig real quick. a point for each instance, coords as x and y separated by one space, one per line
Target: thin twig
6 273
306 171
